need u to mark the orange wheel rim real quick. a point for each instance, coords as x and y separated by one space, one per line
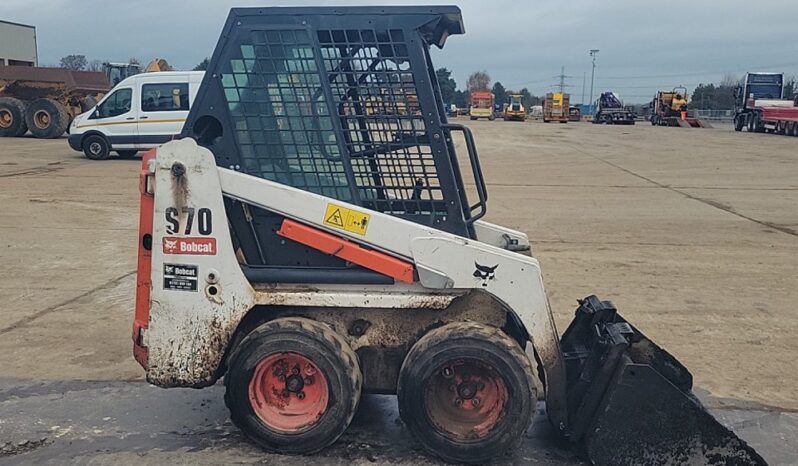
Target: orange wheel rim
466 399
6 118
41 119
288 392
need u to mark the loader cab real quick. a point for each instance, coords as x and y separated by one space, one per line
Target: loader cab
340 107
141 112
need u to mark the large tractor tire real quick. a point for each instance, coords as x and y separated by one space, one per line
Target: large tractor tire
12 118
466 392
293 386
46 118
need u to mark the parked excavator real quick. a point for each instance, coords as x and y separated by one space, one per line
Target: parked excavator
310 248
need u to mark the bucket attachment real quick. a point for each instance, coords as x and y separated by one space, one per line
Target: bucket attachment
630 402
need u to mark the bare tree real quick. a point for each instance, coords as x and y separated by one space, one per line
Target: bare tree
74 62
729 80
478 81
95 65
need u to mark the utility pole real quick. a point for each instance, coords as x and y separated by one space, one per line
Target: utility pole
562 77
593 54
584 84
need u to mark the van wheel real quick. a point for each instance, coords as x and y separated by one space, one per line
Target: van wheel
293 386
46 118
466 392
12 118
95 147
127 154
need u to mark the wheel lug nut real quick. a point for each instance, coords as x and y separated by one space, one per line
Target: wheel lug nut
281 378
447 372
476 402
301 395
458 402
295 371
308 380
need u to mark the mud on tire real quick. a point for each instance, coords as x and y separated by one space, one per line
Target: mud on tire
12 118
466 392
293 386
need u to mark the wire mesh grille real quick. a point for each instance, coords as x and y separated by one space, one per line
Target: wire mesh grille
375 97
337 114
283 124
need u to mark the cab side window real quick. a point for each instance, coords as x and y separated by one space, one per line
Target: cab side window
118 103
170 97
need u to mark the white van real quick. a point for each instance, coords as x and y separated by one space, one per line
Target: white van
141 112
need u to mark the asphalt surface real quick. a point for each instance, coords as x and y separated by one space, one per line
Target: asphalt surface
132 422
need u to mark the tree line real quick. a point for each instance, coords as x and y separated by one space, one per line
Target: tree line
479 81
721 96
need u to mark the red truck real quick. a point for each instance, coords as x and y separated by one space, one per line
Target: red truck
761 106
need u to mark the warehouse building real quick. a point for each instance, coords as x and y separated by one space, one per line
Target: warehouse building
18 44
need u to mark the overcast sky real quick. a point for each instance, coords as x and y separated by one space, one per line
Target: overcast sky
645 45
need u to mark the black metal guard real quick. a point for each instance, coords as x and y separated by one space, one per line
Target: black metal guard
343 102
476 168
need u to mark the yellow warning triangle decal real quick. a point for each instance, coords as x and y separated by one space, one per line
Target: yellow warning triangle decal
336 219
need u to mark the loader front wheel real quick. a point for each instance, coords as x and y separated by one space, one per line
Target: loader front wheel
466 392
293 386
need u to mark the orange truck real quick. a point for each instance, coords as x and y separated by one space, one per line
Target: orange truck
482 103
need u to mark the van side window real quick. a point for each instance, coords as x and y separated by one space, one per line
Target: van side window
164 97
118 103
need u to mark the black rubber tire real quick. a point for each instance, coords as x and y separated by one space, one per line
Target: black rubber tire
13 109
328 350
57 119
127 154
95 147
739 123
467 341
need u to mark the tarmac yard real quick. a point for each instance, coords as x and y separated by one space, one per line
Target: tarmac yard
693 234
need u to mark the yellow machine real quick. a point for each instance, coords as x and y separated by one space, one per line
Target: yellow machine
669 108
515 110
556 107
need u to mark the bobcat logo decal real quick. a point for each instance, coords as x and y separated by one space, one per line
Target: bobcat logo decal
485 273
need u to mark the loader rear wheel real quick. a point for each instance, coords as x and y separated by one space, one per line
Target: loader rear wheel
466 392
293 386
46 118
12 118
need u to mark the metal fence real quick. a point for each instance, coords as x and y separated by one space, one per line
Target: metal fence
715 115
